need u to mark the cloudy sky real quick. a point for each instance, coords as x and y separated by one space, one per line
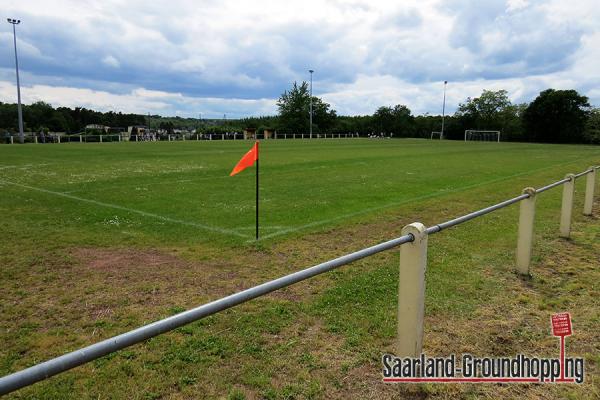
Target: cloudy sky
236 57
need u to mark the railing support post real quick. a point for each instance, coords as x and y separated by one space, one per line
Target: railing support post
411 291
566 210
590 184
526 223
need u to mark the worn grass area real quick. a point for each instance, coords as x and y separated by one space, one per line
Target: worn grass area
74 271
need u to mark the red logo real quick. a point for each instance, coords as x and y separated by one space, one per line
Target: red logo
561 324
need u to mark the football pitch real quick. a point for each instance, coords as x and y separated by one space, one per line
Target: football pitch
181 192
99 239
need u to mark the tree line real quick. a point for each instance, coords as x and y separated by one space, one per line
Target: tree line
42 116
554 116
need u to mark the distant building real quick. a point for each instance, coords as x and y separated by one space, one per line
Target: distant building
270 134
97 127
250 133
137 130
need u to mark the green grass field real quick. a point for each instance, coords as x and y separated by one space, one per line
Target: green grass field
181 192
101 238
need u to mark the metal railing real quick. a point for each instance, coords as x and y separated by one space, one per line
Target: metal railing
411 296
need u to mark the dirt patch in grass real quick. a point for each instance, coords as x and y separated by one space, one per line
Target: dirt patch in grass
124 259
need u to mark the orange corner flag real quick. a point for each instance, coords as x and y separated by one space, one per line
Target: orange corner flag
246 161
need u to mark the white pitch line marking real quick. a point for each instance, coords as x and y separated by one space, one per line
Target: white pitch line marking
23 166
136 187
274 227
131 210
427 196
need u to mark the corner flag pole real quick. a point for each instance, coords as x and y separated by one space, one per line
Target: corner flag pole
248 160
257 158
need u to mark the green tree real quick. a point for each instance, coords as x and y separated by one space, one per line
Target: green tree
425 124
57 123
557 116
404 122
485 111
361 124
167 126
37 114
592 127
492 110
396 121
383 119
294 111
511 121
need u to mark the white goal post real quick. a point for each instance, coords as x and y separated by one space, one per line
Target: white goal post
473 134
436 134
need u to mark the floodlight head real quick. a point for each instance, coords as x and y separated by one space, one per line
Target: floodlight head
311 71
13 21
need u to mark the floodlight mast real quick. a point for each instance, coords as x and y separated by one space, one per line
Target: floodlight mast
443 110
15 22
311 105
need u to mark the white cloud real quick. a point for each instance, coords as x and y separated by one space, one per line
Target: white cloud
139 101
514 5
220 55
71 97
111 61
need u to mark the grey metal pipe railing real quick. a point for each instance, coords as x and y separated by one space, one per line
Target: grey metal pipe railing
584 173
552 185
65 362
456 221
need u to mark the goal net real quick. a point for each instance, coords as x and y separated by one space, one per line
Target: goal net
483 136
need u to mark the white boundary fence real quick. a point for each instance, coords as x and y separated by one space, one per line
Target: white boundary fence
53 138
411 287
